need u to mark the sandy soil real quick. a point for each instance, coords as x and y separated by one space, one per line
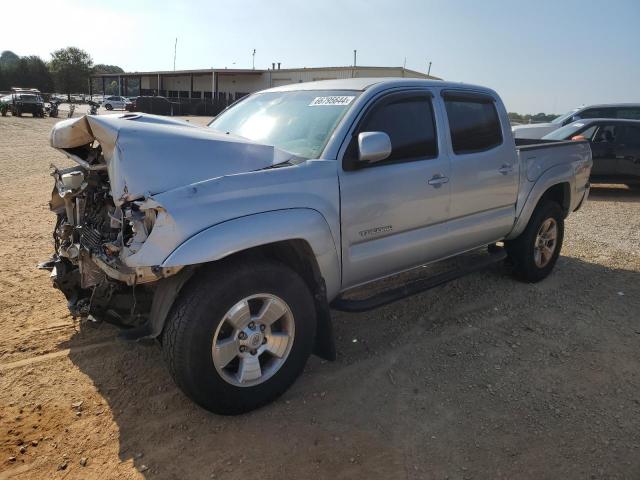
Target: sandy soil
482 378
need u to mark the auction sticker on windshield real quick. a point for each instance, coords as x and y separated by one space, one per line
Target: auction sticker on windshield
335 100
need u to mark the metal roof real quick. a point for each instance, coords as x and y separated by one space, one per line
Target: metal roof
203 71
209 71
363 83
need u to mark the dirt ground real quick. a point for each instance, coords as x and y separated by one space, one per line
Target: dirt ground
482 378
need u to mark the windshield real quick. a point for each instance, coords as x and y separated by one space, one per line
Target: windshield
564 132
299 122
564 117
28 98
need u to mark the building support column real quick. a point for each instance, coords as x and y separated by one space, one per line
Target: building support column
103 89
191 87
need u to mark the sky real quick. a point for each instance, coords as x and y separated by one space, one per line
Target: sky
539 55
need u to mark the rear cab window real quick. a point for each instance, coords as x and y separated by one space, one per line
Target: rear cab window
474 123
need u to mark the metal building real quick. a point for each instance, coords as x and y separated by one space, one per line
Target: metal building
221 86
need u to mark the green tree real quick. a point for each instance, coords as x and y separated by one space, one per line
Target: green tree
8 58
32 72
112 88
96 83
102 68
71 68
28 72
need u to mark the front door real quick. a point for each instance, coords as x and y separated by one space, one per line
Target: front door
605 163
393 212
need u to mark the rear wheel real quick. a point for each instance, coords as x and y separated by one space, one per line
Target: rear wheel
108 106
535 252
239 335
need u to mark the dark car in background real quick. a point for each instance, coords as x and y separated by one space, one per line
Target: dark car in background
159 106
26 100
615 145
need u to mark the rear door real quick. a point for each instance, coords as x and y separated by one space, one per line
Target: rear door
484 170
627 149
393 212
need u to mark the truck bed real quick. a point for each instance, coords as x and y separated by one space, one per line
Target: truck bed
535 143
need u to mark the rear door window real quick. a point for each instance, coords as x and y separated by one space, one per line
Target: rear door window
630 113
598 113
627 135
473 122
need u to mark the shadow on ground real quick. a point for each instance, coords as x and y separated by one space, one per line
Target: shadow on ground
482 378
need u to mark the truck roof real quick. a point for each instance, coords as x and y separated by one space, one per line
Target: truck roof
364 83
601 105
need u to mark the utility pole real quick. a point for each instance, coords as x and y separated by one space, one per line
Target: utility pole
253 59
355 61
429 69
175 49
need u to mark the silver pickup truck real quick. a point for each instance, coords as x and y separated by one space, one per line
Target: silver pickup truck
231 243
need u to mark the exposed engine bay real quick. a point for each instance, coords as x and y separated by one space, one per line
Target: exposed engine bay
114 230
93 237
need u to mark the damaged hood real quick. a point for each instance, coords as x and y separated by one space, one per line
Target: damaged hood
148 154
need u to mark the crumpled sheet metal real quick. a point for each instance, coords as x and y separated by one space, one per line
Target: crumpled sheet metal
148 154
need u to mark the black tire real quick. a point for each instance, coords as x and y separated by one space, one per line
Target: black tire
522 250
634 186
188 335
108 106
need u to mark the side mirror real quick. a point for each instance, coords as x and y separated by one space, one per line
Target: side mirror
373 146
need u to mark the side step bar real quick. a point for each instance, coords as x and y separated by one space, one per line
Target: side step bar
417 286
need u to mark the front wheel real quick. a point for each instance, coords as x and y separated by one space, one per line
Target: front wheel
535 252
239 335
108 106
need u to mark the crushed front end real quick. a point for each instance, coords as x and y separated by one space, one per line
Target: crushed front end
93 240
92 237
134 196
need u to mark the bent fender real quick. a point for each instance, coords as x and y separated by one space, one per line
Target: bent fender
232 236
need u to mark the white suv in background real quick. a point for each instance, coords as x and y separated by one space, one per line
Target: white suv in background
630 111
115 102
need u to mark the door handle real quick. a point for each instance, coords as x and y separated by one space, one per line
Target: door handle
438 180
506 168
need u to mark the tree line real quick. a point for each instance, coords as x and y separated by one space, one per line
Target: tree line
68 71
528 118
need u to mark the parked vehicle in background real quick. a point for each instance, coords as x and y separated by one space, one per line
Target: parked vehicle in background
115 103
629 111
615 145
4 104
232 242
26 100
132 106
52 109
93 107
158 106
